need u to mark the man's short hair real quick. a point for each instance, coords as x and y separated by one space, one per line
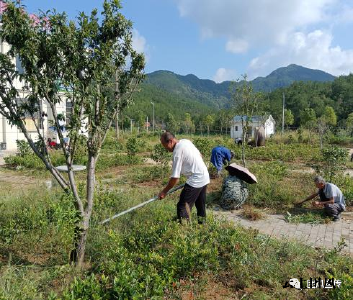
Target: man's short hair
319 179
167 136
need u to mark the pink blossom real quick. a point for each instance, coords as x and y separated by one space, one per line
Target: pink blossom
3 6
34 18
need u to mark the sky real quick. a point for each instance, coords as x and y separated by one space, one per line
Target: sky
225 39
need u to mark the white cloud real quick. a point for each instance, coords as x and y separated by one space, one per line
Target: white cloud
223 74
237 46
139 44
251 23
313 50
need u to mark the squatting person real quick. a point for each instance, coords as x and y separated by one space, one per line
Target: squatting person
187 160
331 198
221 156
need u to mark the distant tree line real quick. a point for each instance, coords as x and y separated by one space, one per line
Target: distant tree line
312 105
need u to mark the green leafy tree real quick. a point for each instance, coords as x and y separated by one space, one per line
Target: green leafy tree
171 124
132 147
330 116
308 120
188 124
334 160
328 119
307 117
349 124
140 119
209 120
93 62
288 117
201 125
222 120
246 105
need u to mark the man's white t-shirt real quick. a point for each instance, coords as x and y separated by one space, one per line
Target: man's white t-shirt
187 160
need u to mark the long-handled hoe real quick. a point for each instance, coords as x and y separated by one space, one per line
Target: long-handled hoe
140 205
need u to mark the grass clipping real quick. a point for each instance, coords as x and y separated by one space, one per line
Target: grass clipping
253 214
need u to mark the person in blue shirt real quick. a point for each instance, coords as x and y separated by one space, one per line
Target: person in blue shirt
221 156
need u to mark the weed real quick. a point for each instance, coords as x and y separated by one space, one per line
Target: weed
252 213
312 217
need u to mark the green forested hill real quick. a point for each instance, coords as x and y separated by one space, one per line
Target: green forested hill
217 95
164 102
283 77
177 94
204 91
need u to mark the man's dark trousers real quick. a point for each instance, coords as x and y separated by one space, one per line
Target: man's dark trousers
190 196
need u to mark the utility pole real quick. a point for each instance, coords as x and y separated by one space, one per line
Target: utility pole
131 125
283 113
147 125
152 116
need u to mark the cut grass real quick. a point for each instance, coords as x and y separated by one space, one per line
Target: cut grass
251 213
306 216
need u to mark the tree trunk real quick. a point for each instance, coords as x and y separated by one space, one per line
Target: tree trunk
81 230
243 142
81 244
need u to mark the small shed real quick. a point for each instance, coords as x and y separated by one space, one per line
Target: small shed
236 129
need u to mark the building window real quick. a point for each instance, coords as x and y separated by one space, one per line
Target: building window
236 128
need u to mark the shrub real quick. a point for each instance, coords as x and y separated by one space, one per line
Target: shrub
161 155
132 146
204 145
334 159
270 191
108 161
23 148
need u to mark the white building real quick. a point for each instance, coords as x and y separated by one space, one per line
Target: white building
9 134
236 129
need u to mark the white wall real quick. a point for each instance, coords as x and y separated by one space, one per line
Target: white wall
238 134
269 128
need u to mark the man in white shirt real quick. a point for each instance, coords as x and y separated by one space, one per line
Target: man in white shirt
187 160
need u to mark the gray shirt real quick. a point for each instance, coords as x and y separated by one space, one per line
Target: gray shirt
332 191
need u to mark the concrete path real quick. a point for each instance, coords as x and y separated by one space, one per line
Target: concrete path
322 235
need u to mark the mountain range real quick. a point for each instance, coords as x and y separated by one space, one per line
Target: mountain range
180 94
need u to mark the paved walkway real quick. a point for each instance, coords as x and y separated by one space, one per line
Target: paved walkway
322 235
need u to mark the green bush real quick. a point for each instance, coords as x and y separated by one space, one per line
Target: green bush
204 145
345 184
23 148
333 161
161 155
132 146
270 191
148 174
109 161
